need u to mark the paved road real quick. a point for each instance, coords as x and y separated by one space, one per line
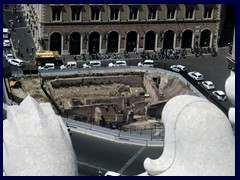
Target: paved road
93 153
26 40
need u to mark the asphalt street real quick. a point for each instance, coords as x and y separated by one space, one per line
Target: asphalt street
94 154
20 35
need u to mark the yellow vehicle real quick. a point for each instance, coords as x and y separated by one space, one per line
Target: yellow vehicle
43 57
15 84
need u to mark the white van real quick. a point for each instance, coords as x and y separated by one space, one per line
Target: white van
16 62
146 63
69 65
47 66
111 173
91 64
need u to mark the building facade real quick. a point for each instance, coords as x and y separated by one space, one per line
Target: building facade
75 29
231 54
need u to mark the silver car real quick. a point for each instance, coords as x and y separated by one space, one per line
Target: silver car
220 95
9 55
208 85
6 43
91 64
146 63
196 75
178 68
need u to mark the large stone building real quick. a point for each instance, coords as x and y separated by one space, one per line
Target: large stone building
231 54
74 29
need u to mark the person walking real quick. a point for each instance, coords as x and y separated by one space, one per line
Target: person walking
31 56
19 42
27 50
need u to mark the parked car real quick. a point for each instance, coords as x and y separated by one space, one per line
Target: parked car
196 75
15 84
117 64
47 66
91 64
9 55
111 173
6 33
16 62
6 43
220 95
208 85
69 65
178 68
146 63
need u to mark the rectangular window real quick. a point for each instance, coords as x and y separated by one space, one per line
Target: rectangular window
76 11
114 13
56 13
152 13
133 13
171 11
208 11
95 13
189 12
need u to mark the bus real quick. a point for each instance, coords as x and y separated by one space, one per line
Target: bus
43 57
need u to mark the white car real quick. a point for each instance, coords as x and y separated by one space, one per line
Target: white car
196 75
91 64
208 85
146 63
111 173
9 55
178 68
69 65
16 62
117 64
220 95
47 66
6 43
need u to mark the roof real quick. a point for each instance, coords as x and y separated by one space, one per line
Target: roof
5 30
195 72
111 173
208 82
148 60
46 54
221 93
181 66
120 61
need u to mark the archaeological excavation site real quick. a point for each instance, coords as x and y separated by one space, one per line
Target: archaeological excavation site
105 99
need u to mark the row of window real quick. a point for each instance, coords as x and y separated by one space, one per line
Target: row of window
133 13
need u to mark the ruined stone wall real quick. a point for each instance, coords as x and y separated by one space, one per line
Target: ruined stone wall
151 88
155 110
131 80
139 108
87 113
108 106
120 101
